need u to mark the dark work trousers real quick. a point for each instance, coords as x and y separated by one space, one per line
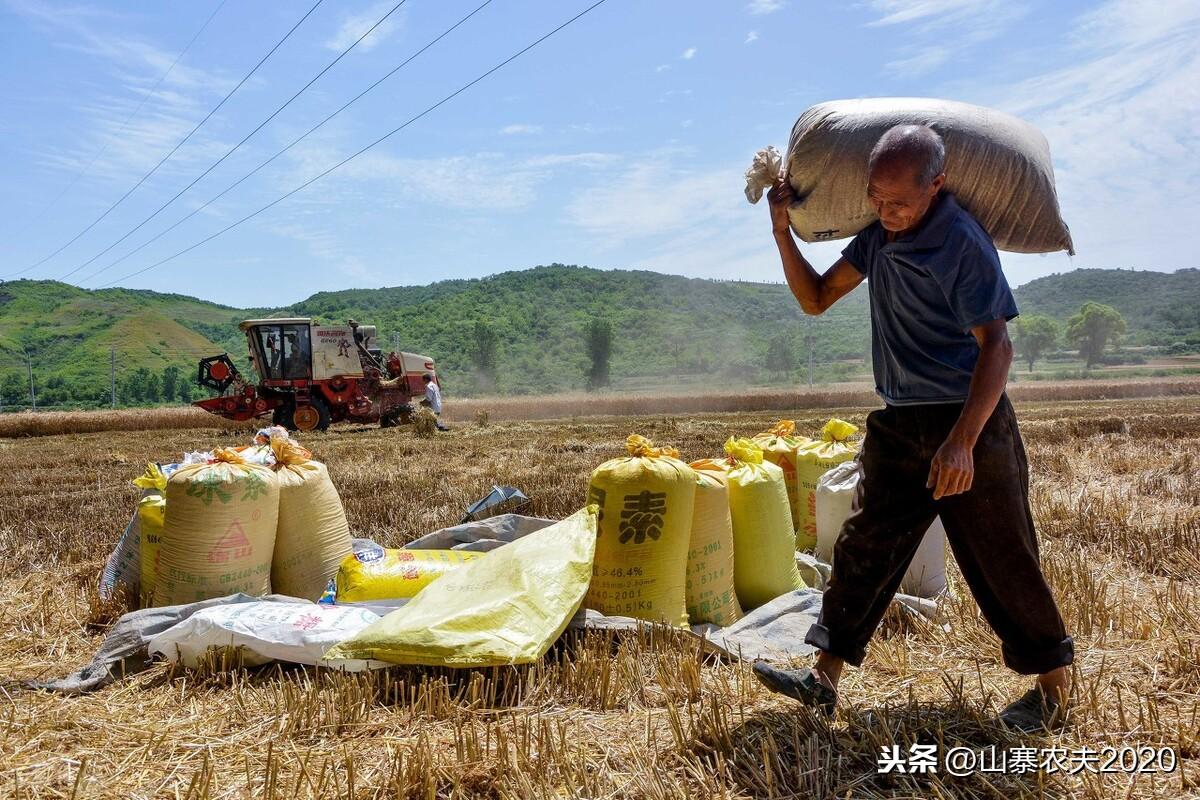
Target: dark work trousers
989 527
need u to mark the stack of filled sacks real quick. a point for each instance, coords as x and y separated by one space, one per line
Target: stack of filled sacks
253 519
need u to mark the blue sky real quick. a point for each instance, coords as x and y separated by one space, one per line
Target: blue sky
618 143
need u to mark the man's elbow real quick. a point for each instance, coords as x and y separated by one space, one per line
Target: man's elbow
814 308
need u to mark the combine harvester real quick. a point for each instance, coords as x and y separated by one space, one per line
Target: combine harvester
312 374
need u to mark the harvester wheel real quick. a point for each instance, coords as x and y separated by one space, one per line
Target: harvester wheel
309 417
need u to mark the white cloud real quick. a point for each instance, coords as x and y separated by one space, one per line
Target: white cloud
662 68
896 12
127 133
687 123
688 54
941 30
752 36
520 128
497 181
355 25
764 6
1121 122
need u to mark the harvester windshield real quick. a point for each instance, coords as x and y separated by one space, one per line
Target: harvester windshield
283 352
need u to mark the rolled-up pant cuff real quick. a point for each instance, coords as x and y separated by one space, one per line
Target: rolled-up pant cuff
820 637
1040 661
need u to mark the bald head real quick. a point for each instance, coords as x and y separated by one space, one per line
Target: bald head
916 149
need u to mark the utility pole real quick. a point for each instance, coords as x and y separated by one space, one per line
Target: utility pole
112 374
811 345
29 363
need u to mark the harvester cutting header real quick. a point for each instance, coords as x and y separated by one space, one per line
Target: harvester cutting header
312 374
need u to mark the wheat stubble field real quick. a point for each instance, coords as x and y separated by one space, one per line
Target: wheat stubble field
1116 493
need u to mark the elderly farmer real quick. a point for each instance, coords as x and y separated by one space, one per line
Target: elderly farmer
946 443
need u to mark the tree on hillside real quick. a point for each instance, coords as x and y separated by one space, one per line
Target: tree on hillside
599 347
185 390
1036 335
153 387
14 389
1093 328
170 383
781 356
484 342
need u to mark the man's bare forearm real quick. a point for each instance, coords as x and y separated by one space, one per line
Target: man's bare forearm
802 279
987 384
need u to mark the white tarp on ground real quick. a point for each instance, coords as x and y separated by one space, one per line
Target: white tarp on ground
774 631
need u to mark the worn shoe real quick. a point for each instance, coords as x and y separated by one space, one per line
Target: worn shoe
798 684
1034 712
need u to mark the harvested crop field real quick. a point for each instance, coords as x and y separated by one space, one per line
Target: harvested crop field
1115 491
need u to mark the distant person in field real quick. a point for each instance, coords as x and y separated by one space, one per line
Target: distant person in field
433 399
945 444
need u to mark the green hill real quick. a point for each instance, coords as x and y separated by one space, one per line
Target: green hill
1160 308
668 331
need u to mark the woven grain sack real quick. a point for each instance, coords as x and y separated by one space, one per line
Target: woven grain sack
123 569
781 446
646 503
837 500
764 556
997 166
814 460
313 537
151 515
505 608
374 573
711 596
219 532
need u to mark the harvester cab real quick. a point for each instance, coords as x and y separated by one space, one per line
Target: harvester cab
310 375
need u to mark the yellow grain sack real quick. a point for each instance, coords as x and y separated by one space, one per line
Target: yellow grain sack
711 596
507 607
378 574
781 446
641 562
815 459
313 537
219 532
763 542
151 512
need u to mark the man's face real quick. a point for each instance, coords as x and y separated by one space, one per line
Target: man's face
898 196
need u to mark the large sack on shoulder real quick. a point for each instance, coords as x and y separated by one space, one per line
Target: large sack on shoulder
764 555
373 573
997 166
507 607
814 460
781 446
711 595
219 532
646 505
313 537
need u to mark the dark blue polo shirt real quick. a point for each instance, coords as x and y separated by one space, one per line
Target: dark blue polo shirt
927 291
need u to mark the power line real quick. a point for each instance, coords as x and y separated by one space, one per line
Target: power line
351 157
245 139
128 119
293 143
110 209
